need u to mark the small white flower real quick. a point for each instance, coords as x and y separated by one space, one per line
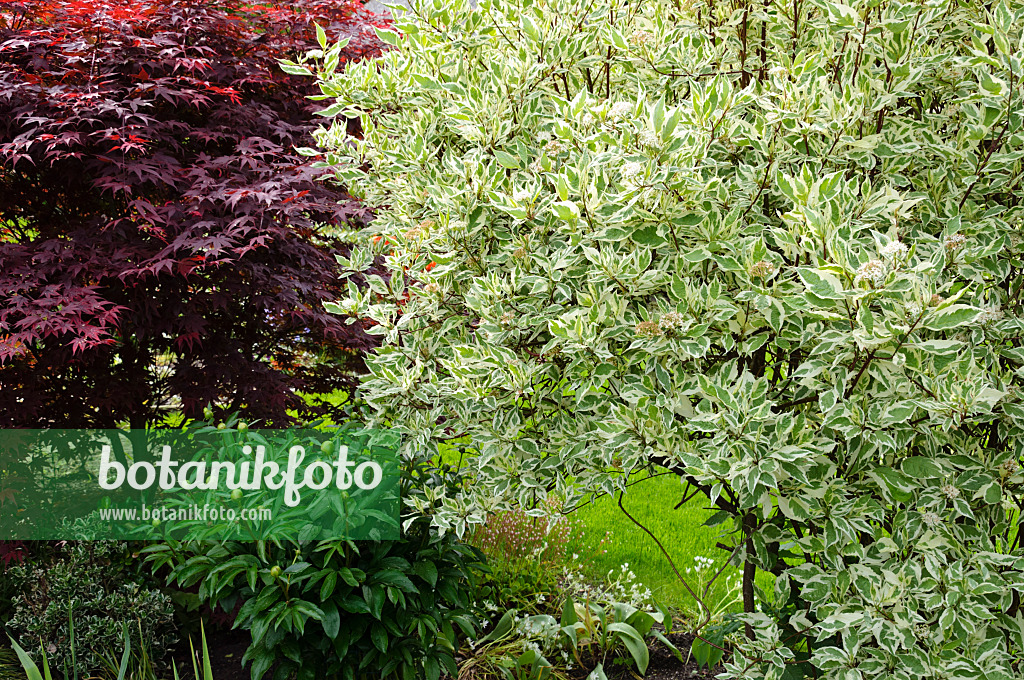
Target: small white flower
632 171
895 250
640 37
913 309
620 110
955 242
649 139
872 271
950 491
990 315
588 119
522 196
671 322
931 519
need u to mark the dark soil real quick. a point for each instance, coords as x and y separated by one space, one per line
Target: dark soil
226 650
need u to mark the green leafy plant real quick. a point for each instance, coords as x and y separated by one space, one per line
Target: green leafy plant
586 635
10 552
774 250
392 609
80 601
514 650
617 586
616 632
709 649
526 557
32 671
133 663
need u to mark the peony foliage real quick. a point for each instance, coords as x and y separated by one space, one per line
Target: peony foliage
774 248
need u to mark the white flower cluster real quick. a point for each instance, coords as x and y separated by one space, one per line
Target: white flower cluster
950 491
990 315
913 309
537 627
620 110
895 250
641 37
955 242
648 139
349 306
632 171
872 271
619 587
931 519
522 196
671 322
648 329
540 634
778 71
763 269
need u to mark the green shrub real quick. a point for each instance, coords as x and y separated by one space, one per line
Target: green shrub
94 587
526 558
775 249
343 609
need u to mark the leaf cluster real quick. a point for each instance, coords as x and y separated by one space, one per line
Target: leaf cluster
162 243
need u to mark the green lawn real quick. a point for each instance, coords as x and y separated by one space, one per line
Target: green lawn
680 531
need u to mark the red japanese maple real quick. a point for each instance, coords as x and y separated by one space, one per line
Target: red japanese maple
161 243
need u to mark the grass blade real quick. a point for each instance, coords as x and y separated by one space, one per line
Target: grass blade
195 662
71 634
31 670
207 671
125 656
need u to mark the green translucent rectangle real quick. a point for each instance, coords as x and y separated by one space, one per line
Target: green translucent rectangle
202 484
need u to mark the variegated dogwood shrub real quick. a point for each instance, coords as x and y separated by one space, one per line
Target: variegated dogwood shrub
772 247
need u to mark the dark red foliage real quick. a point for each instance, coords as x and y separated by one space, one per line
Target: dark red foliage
161 243
12 551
